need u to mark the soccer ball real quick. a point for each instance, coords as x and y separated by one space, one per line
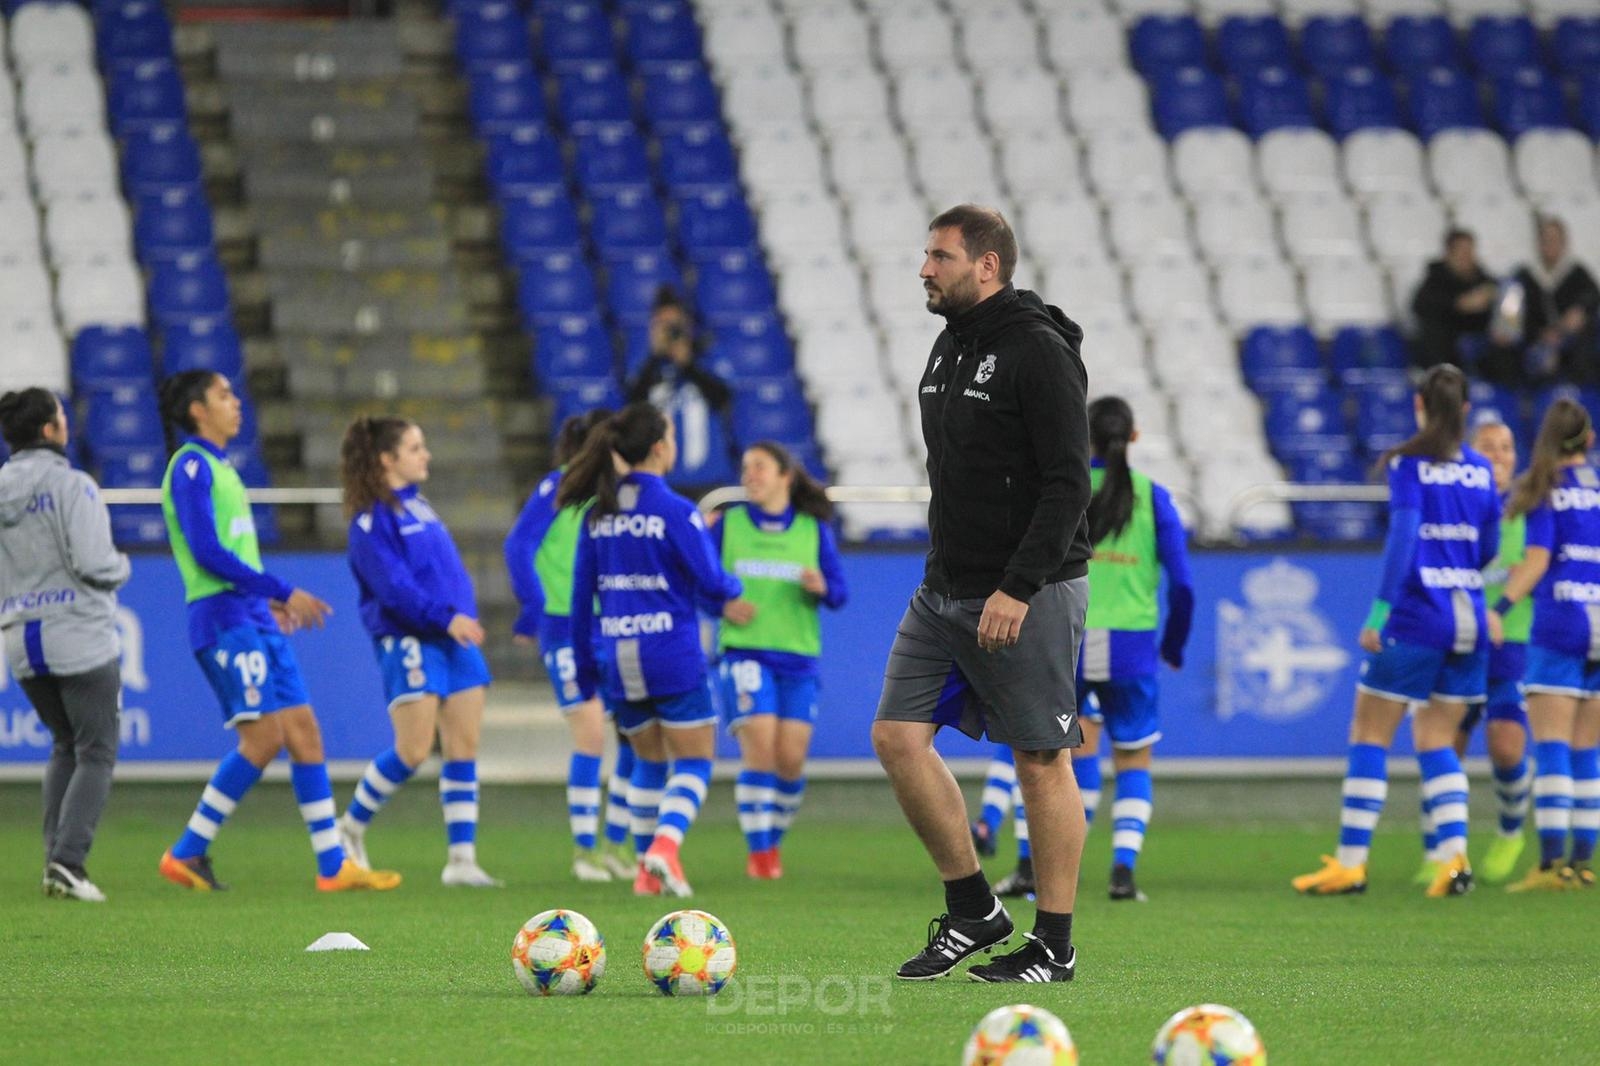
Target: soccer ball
1020 1035
1208 1035
689 953
558 953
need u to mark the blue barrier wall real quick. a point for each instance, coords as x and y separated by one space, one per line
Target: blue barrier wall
1271 663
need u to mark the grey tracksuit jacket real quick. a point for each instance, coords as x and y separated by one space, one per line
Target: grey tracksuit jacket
59 571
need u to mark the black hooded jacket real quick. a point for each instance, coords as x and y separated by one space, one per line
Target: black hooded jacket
1005 420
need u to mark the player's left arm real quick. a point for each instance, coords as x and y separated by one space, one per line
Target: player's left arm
835 592
375 555
1172 552
93 557
713 585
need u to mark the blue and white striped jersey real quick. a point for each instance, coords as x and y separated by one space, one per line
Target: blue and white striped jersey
1566 601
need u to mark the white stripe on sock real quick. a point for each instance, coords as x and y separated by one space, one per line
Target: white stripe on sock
1356 818
463 811
669 832
1127 838
1446 813
379 784
450 784
1370 788
688 783
679 805
585 824
1552 817
318 810
202 826
583 797
1132 808
218 801
1444 783
324 840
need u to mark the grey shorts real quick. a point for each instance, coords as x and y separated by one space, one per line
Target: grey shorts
1023 696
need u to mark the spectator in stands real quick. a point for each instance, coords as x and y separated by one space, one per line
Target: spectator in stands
1559 301
1453 306
59 575
674 380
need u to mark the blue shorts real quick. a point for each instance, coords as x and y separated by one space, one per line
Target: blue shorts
750 688
563 671
1505 704
253 672
1561 674
414 667
1128 708
683 711
1412 673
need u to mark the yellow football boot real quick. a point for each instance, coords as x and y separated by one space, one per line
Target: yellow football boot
1502 857
1332 880
1454 878
352 877
1546 879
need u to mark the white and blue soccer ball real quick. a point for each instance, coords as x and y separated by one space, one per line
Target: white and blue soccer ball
1020 1035
1208 1035
689 953
558 953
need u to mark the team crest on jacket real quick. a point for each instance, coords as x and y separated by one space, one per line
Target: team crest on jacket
985 370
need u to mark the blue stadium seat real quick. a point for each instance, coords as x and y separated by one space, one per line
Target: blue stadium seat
524 158
1268 349
626 221
131 31
1360 98
124 416
488 33
661 33
1443 99
538 223
1362 348
697 157
1274 98
202 344
109 356
573 346
593 94
1320 459
715 222
1187 98
1415 44
1247 43
1298 403
579 396
779 415
158 156
1497 403
140 525
1589 105
556 285
1338 523
632 282
733 284
1575 44
187 287
750 348
1159 43
1332 44
1500 45
172 222
144 92
133 468
1528 99
505 95
572 35
678 94
1383 403
611 157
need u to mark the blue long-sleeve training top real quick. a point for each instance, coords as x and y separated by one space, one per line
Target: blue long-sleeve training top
1566 601
411 578
244 604
648 565
1444 528
522 544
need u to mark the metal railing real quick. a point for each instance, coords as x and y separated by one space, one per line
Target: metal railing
1295 492
314 497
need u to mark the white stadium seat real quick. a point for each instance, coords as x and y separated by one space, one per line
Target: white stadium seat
1148 226
780 155
845 93
1065 220
1085 280
762 93
1169 287
1019 97
19 223
1081 36
798 220
994 38
1258 292
1298 160
860 159
107 293
1406 226
62 95
1469 164
1041 160
820 281
1384 161
24 287
1504 228
915 37
742 36
1581 214
931 97
1106 98
1126 162
830 32
1345 292
99 228
35 354
1213 159
1319 225
886 218
44 33
1231 225
1554 163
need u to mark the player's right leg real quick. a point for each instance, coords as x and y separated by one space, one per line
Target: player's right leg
999 782
688 724
1555 687
1585 791
586 719
1512 770
313 793
756 788
415 720
637 722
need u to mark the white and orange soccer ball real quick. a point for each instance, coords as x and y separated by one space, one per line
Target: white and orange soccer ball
689 953
558 953
1208 1035
1020 1035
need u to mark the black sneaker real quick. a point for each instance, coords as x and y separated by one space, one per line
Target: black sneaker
952 940
1018 884
1031 963
982 839
1122 886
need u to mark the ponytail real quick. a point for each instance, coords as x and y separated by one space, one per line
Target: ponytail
1444 405
592 473
367 440
806 494
1110 430
1563 434
574 431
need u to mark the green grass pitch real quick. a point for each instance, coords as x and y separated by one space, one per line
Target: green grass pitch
162 975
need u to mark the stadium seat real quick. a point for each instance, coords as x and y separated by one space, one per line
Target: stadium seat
1554 163
1127 162
1018 98
109 356
733 284
1503 225
573 347
1527 99
610 158
846 95
1575 44
861 160
73 164
1078 36
13 153
661 33
1041 162
1333 44
1320 225
1501 45
696 157
1298 160
78 230
24 288
187 287
715 222
1298 403
1360 98
1367 348
678 94
45 32
123 416
1187 98
35 355
1259 291
490 32
1471 163
132 30
1148 226
524 158
1344 292
1272 98
100 293
1442 98
1405 226
1103 98
574 35
1234 224
1246 44
743 36
172 222
133 468
1379 161
633 280
998 35
1161 43
556 285
748 349
145 93
1267 350
502 96
1169 286
1213 160
202 344
626 221
593 95
1320 459
159 156
538 223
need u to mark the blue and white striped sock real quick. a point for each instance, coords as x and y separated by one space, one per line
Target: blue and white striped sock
998 783
644 801
1552 798
1090 783
234 777
1130 816
686 791
458 795
786 804
1366 786
1430 837
754 792
1444 785
1585 802
1513 788
384 775
314 793
583 798
1019 825
617 814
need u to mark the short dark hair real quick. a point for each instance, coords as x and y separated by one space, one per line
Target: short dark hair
24 414
180 391
1457 233
983 230
667 296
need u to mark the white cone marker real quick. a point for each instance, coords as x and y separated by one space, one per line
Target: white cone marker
336 942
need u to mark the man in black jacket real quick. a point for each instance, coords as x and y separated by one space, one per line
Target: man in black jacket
990 640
